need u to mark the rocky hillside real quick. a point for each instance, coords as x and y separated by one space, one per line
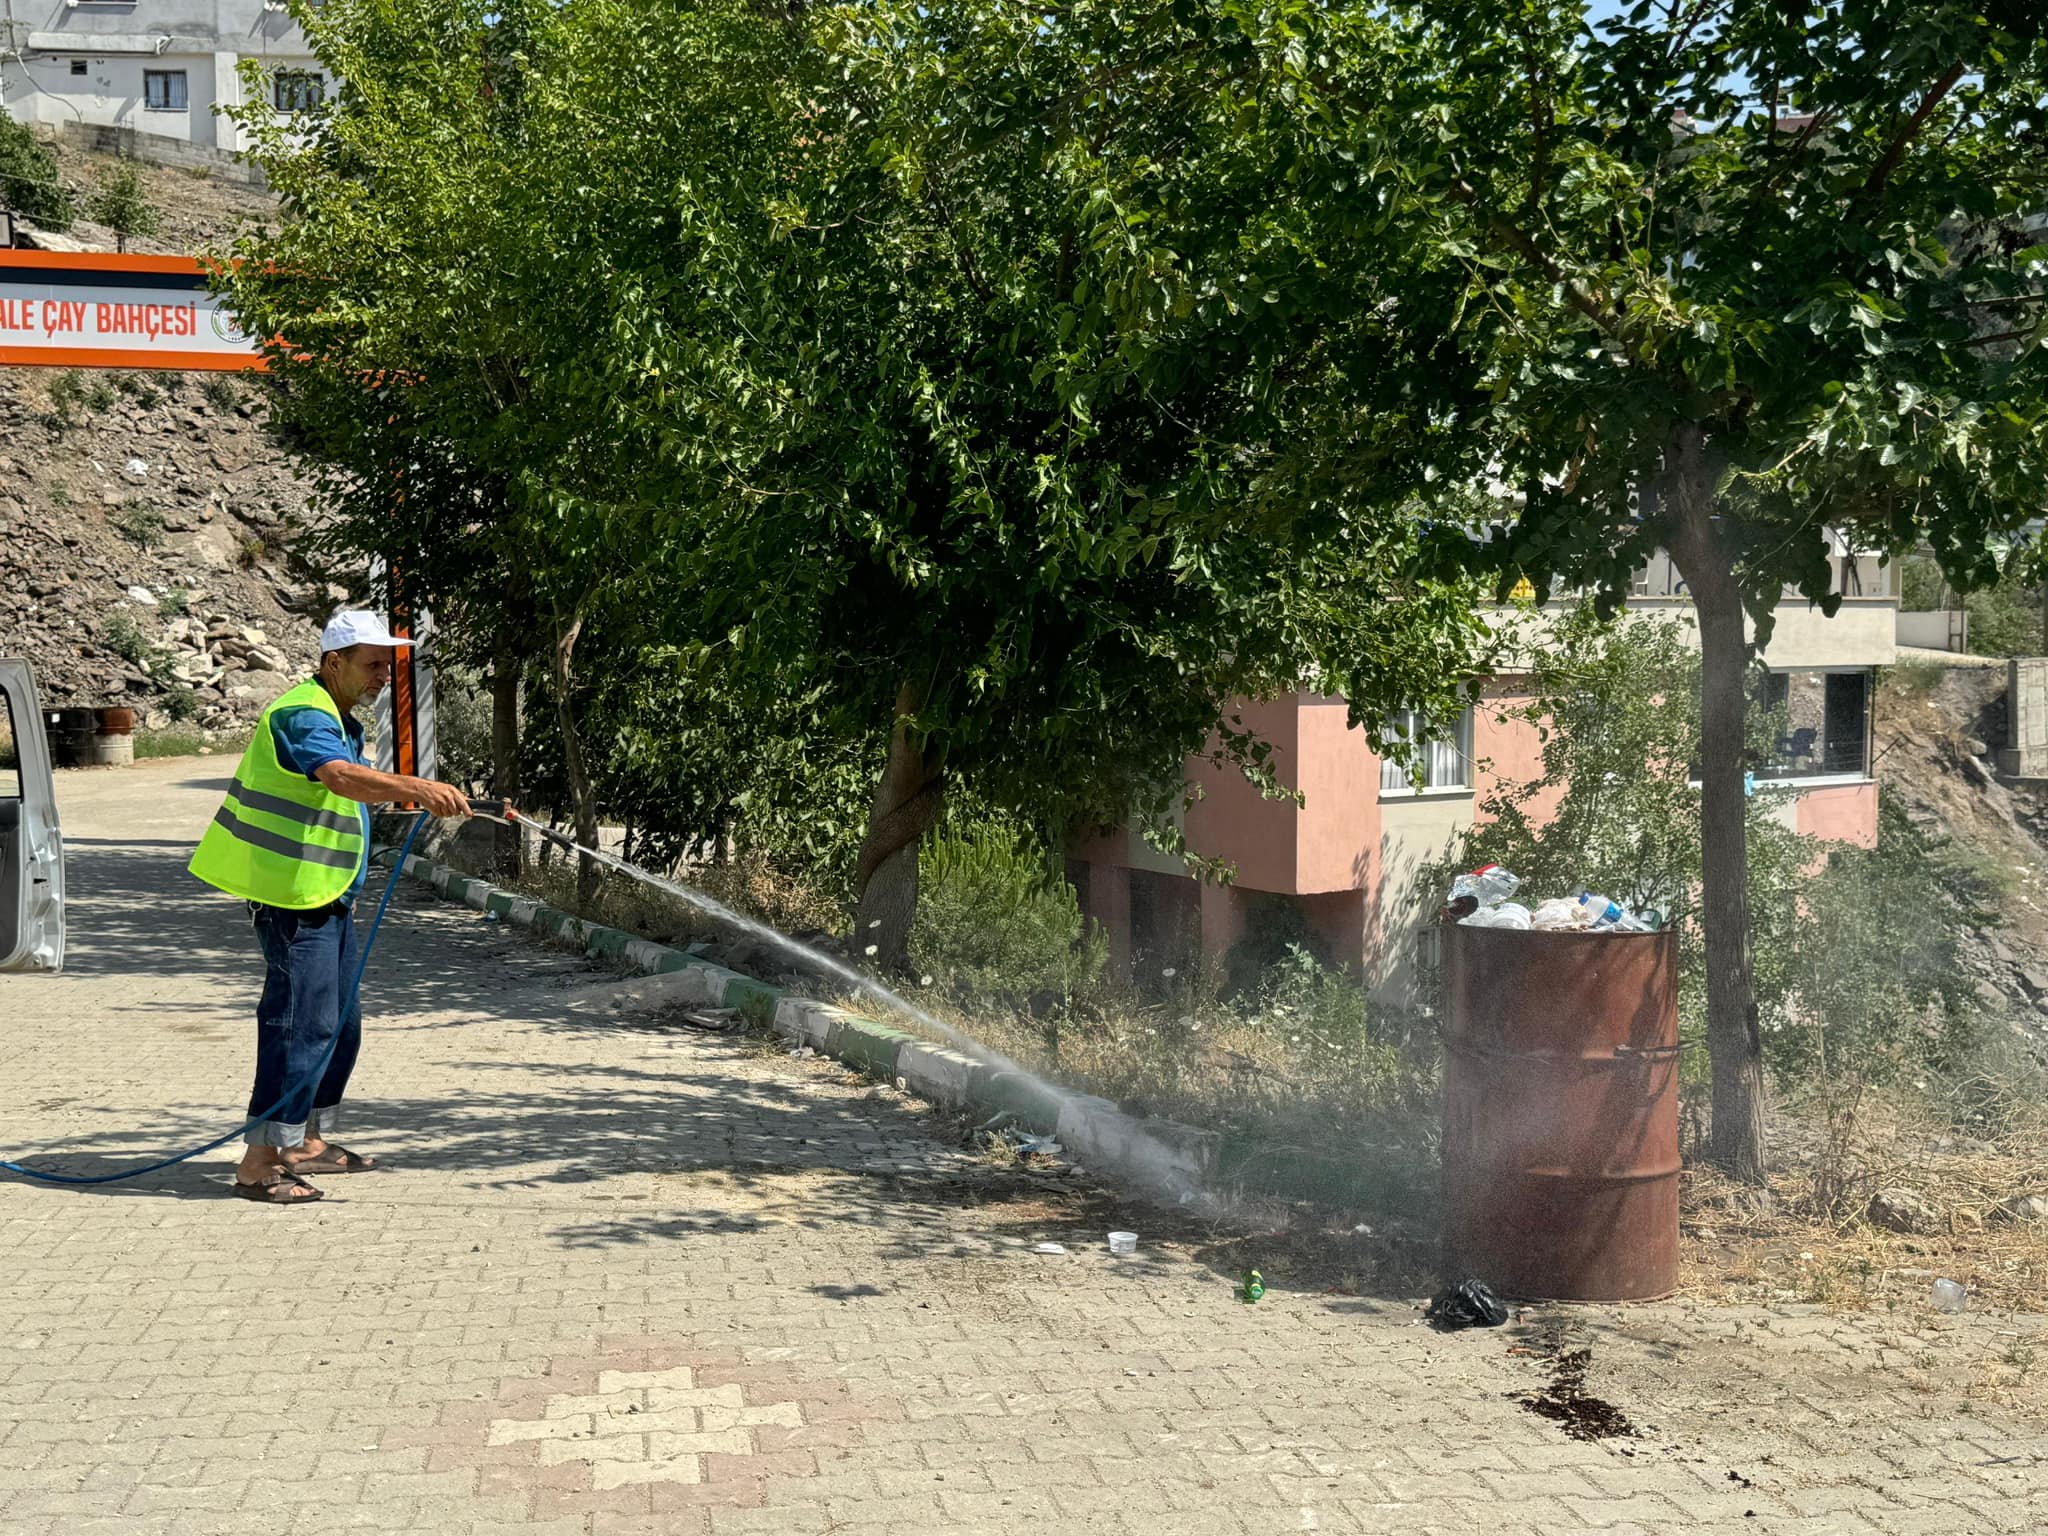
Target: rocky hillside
200 213
146 523
1937 731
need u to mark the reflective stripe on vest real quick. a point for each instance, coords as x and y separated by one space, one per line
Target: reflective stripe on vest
280 838
271 842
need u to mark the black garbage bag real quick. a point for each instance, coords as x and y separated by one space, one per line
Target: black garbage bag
1468 1304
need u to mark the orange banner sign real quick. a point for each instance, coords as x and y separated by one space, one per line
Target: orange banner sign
60 309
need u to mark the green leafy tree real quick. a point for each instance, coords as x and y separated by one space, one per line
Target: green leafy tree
1616 810
806 341
1711 276
120 202
28 177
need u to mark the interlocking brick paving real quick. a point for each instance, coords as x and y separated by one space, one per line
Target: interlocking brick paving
622 1278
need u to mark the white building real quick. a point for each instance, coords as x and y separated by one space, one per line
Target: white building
146 76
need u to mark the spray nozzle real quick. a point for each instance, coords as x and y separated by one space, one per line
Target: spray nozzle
497 810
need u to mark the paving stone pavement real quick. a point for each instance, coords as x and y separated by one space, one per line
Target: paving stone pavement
623 1278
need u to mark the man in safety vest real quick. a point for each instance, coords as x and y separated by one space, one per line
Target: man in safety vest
293 840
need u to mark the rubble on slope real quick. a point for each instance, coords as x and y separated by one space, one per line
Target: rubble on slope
146 528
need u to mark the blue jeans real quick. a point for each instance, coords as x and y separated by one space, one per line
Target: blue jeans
309 959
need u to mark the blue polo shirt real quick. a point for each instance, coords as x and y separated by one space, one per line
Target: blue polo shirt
307 740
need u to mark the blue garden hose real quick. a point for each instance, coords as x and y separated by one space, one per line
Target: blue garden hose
355 987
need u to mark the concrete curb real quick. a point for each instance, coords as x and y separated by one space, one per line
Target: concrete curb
1161 1156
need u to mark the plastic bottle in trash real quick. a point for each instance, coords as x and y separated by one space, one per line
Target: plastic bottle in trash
1605 913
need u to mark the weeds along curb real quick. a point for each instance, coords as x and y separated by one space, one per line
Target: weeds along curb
1160 1156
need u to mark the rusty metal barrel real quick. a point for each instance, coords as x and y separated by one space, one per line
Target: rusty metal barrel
1560 1131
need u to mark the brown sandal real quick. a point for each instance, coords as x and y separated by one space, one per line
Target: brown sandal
283 1187
336 1159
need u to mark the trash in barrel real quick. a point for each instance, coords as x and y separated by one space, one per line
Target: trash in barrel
1560 1110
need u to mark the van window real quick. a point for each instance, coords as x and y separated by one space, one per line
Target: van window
10 753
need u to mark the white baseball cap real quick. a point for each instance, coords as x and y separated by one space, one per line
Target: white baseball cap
357 626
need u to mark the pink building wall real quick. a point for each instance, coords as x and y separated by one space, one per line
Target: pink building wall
1839 813
1335 854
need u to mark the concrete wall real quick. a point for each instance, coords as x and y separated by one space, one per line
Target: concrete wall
1863 632
218 164
248 25
1939 629
2025 753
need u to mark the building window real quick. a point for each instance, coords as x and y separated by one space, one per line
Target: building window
78 66
1823 724
1444 760
163 90
297 90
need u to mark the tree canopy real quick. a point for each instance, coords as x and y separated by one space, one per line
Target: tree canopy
1715 276
810 349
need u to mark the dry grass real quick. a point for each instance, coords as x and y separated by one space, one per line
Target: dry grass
1334 1138
1811 1240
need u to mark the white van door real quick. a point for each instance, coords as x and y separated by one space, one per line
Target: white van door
31 843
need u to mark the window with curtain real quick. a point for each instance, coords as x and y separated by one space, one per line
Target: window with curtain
163 90
1445 758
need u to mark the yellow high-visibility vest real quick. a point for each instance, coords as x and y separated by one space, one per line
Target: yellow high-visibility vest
281 838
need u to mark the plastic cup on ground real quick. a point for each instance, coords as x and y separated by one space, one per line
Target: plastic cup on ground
1123 1242
1949 1296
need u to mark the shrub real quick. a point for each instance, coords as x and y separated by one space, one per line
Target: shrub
1316 1006
67 392
139 524
99 395
124 637
28 177
220 394
181 704
993 922
1275 930
174 603
119 202
1876 988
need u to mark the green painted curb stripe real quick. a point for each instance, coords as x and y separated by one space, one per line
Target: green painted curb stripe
1034 1104
745 992
865 1044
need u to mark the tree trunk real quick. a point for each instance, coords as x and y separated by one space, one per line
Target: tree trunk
907 803
1733 1041
505 753
572 763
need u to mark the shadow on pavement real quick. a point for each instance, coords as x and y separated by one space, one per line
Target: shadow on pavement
731 1151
